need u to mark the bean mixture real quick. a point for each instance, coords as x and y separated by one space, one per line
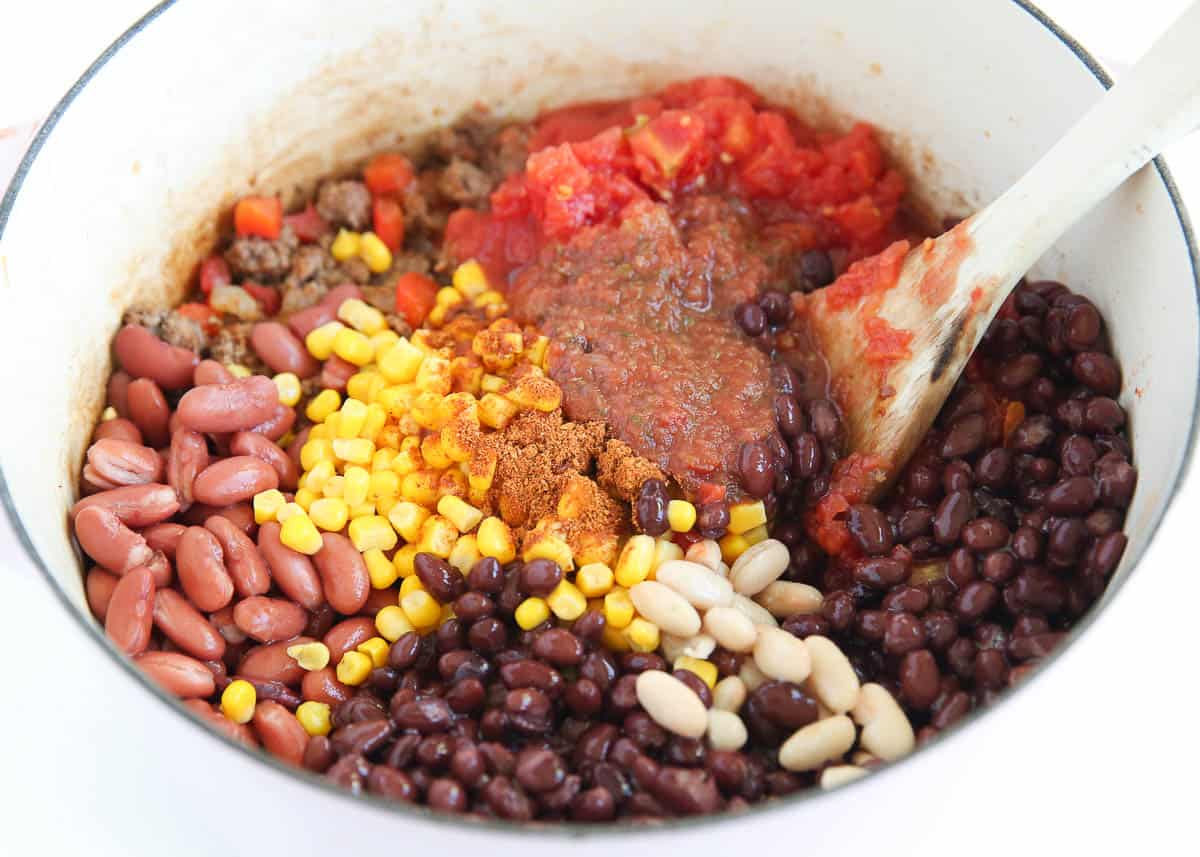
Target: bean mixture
377 503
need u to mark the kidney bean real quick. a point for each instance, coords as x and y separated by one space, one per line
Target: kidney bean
135 506
336 373
118 428
117 392
344 575
178 674
130 615
305 321
277 425
1075 495
245 564
347 635
98 586
200 563
211 372
271 662
187 627
144 355
187 458
280 732
269 620
233 480
112 463
1097 371
112 544
240 405
149 412
261 447
282 350
323 686
952 514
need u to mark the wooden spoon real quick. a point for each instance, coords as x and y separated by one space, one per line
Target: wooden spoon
948 289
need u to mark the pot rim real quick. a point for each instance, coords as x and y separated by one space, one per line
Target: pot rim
546 830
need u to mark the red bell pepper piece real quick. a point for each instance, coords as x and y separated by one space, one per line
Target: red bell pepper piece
388 173
415 297
258 215
388 220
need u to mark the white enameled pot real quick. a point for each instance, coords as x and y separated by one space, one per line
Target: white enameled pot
205 100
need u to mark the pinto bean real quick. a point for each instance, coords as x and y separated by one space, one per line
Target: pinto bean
117 429
211 372
112 463
282 350
242 559
135 505
269 620
144 355
149 412
187 627
242 404
233 480
178 674
261 447
187 457
200 563
292 571
130 615
343 574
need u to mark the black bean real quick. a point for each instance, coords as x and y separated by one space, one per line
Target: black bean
487 636
1097 371
964 437
975 600
824 419
1032 434
1075 495
1105 555
961 567
688 752
471 606
643 732
838 607
440 579
998 566
957 476
651 507
776 305
870 625
1018 371
806 625
687 791
560 647
751 318
539 577
425 714
1078 455
919 679
595 804
941 629
755 469
789 416
806 456
814 270
1102 414
486 576
540 770
952 514
1117 480
466 696
712 519
985 534
590 625
529 710
784 379
391 783
903 633
880 573
531 673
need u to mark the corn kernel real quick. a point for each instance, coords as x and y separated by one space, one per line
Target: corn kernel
490 298
614 639
382 460
353 347
310 656
551 547
421 608
733 546
681 516
352 416
319 431
301 535
382 483
314 451
379 568
427 410
665 550
109 413
566 601
643 635
372 531
634 563
237 370
345 245
401 362
536 353
305 497
288 386
531 612
314 717
756 535
357 485
354 668
452 483
407 517
289 510
383 339
448 297
463 515
594 579
539 393
618 608
319 341
412 583
408 458
403 560
434 455
420 487
375 421
746 516
318 476
493 384
465 553
334 487
322 405
361 316
374 252
470 279
376 649
495 411
437 316
707 670
438 536
392 624
495 539
266 504
356 450
434 375
238 700
329 513
481 470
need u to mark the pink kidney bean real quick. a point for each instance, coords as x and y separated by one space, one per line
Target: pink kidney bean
149 412
346 635
296 445
117 392
377 600
222 620
178 674
144 355
305 321
343 574
271 662
280 732
199 561
323 686
292 571
129 618
211 372
338 294
282 350
187 627
336 373
240 514
136 505
118 429
109 542
164 537
241 404
279 423
99 585
187 457
242 559
233 480
112 463
269 620
240 733
249 443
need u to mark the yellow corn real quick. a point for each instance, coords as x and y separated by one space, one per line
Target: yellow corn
361 316
447 297
634 563
374 252
289 510
531 612
318 476
408 458
334 487
434 455
426 410
322 405
357 485
345 245
643 635
319 341
376 419
407 517
372 531
401 362
434 376
305 498
358 386
470 279
746 516
732 546
490 298
237 370
383 340
379 568
301 535
314 717
594 579
329 513
438 536
319 431
392 624
238 700
316 450
463 515
707 670
681 516
536 353
618 608
376 649
465 553
421 608
756 535
614 639
356 450
382 460
353 347
411 583
109 413
288 386
665 550
351 418
495 539
493 384
310 656
403 560
266 504
551 547
420 487
382 482
354 668
533 391
566 601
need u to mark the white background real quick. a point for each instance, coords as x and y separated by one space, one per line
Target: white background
1122 779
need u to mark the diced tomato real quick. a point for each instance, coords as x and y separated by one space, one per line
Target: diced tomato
668 149
415 296
214 271
205 315
866 277
686 540
258 215
388 173
710 492
885 344
580 122
268 298
388 219
308 225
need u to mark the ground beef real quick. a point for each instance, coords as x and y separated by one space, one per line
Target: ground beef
310 262
413 262
345 203
398 324
383 298
232 345
183 331
356 271
508 152
423 207
297 296
258 259
464 183
151 319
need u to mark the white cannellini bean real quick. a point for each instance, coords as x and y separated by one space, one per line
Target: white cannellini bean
706 553
729 694
886 731
666 608
783 598
817 743
833 680
781 656
760 565
726 731
731 628
700 646
671 704
862 758
701 586
756 613
839 775
752 677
